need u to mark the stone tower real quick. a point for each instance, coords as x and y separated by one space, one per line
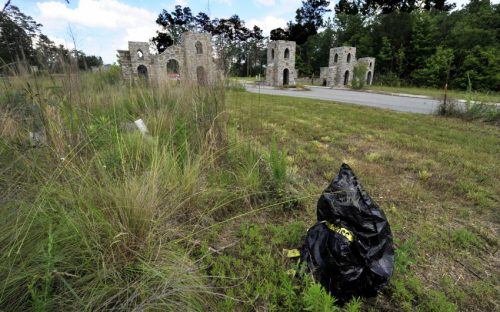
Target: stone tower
344 59
370 67
280 69
340 70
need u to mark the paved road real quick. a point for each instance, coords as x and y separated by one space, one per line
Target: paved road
394 102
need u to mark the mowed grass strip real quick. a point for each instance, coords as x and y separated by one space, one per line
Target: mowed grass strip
436 178
439 93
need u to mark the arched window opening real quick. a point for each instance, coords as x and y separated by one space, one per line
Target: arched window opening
346 78
349 58
336 58
201 76
371 64
287 53
173 68
272 54
286 77
140 55
142 72
199 47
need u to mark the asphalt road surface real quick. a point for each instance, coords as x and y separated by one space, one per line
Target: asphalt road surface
395 102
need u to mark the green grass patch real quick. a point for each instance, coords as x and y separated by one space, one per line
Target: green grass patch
436 178
437 93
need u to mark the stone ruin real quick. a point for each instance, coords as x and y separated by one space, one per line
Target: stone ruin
191 60
280 69
341 67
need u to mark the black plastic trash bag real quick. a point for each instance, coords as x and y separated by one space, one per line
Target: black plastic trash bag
350 250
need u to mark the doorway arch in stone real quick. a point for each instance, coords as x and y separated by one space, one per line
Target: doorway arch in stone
286 77
346 78
142 72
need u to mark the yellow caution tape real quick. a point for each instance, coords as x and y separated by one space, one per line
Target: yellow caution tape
291 253
340 230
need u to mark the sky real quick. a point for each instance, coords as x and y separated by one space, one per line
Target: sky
100 27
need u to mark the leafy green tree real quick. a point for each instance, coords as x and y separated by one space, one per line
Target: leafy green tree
424 39
385 56
173 25
436 69
17 34
482 67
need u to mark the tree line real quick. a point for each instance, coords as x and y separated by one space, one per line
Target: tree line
22 41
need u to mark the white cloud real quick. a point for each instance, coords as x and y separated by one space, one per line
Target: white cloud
61 41
110 14
265 2
268 23
181 2
105 25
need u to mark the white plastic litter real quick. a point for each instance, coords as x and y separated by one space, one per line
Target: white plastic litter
139 123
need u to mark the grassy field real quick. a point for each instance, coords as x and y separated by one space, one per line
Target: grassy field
194 216
438 93
437 179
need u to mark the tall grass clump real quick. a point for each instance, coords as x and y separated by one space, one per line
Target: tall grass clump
99 216
474 108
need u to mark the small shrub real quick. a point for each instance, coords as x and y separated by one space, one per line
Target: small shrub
358 79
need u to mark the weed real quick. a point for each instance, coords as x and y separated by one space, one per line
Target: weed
465 239
278 166
354 305
316 299
424 175
373 156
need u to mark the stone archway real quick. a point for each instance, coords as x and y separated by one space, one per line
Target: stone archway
173 69
201 76
368 77
142 72
286 77
346 78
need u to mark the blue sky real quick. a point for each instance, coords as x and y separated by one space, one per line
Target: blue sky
100 27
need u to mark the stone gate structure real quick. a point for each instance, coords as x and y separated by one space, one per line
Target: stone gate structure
191 60
280 69
341 67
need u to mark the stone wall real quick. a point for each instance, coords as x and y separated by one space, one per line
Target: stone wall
281 63
194 57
